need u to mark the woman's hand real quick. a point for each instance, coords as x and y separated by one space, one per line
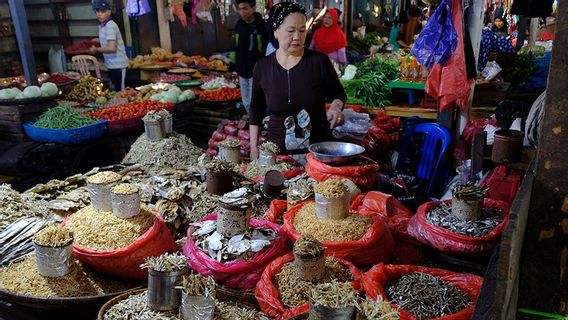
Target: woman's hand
334 114
93 50
253 152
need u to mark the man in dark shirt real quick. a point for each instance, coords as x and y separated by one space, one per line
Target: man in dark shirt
252 38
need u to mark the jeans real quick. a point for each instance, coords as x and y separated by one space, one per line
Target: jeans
246 91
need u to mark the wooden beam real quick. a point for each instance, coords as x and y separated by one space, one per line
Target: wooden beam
163 26
20 21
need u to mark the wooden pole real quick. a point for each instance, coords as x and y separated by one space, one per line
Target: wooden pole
163 26
20 21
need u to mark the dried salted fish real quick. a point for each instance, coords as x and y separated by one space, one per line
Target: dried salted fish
232 311
468 191
167 262
442 216
198 285
205 227
308 246
334 295
238 197
152 115
16 238
426 296
300 189
377 309
15 205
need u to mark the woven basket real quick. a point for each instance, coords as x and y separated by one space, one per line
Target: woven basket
116 300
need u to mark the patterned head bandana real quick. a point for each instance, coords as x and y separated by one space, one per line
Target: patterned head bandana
281 10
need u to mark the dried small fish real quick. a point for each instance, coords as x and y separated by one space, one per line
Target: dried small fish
269 147
468 191
377 309
254 170
232 311
230 143
152 115
136 307
442 216
331 188
104 177
308 246
167 262
53 236
334 295
426 296
124 188
198 285
15 205
217 165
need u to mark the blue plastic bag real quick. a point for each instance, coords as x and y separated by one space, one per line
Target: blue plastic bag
438 40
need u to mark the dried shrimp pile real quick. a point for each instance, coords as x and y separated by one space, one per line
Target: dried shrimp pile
331 188
104 177
295 291
53 236
176 151
124 188
103 231
23 278
353 227
426 296
15 205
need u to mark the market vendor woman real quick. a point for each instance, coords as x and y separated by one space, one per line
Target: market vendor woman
112 45
295 83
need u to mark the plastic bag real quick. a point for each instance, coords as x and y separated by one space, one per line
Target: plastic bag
355 126
287 174
438 40
363 176
349 72
268 296
125 262
503 184
218 136
276 210
376 245
242 274
230 130
212 144
490 71
453 243
379 276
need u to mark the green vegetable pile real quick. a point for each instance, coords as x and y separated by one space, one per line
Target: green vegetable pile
63 117
517 68
370 87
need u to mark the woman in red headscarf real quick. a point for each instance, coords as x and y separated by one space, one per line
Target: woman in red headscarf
330 39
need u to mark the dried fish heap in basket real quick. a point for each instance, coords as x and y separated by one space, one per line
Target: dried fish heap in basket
230 150
219 177
53 251
377 310
308 258
163 273
300 188
99 186
175 151
467 201
267 154
136 307
333 300
198 297
232 311
331 200
125 200
426 296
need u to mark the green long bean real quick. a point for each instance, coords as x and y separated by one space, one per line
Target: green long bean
63 117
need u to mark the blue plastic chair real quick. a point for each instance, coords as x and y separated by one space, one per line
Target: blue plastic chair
436 141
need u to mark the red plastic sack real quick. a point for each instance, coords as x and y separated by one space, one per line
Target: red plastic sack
244 134
379 276
276 210
453 243
242 274
230 130
212 144
268 296
363 176
212 152
376 245
218 136
503 184
287 174
125 263
463 150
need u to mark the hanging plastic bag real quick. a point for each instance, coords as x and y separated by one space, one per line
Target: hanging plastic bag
125 262
364 176
375 281
376 245
57 61
503 184
438 40
449 242
268 296
243 273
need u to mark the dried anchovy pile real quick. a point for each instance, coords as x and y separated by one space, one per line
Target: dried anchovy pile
176 151
198 285
230 143
103 231
426 296
255 170
335 295
269 147
15 205
331 188
53 236
124 188
203 205
218 166
468 191
23 278
232 311
294 291
353 227
104 177
442 216
308 246
152 115
167 262
136 307
377 310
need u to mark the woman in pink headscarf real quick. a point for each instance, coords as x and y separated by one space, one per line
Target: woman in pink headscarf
330 39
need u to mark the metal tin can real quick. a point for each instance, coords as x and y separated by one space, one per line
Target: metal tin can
232 220
125 205
334 208
100 195
54 261
318 312
162 294
232 155
467 209
153 130
167 124
266 159
310 268
197 307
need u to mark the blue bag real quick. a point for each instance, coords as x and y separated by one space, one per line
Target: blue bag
438 40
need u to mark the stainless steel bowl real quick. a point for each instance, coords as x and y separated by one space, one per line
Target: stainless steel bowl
332 152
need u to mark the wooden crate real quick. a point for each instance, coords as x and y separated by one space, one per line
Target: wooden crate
12 118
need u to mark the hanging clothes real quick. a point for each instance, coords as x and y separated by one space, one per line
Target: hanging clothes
449 82
532 8
177 10
137 8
